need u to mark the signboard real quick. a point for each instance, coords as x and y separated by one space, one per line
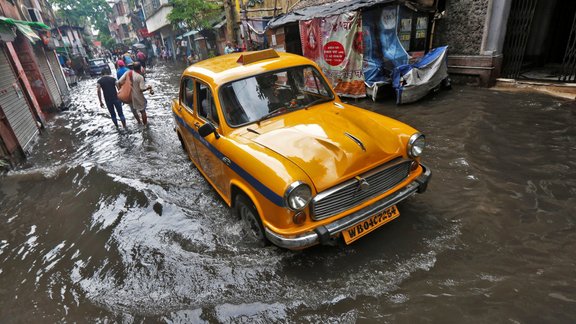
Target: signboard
335 44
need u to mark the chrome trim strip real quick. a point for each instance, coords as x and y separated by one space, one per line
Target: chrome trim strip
334 228
356 140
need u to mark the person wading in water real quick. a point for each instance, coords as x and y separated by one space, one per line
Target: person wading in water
107 84
139 102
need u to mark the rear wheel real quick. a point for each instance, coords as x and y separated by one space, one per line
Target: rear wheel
247 212
182 143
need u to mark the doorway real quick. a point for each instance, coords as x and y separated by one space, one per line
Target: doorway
293 41
540 41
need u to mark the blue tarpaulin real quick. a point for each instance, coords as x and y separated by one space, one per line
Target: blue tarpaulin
382 48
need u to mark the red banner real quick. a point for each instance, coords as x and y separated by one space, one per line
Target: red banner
335 43
144 32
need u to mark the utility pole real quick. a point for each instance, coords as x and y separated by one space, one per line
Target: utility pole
229 10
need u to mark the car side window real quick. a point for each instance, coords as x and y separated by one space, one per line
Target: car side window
187 95
206 105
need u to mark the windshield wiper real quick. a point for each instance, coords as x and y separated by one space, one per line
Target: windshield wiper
272 114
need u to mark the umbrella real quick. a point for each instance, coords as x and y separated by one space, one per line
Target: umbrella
139 45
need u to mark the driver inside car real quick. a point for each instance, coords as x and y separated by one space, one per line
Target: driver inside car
269 90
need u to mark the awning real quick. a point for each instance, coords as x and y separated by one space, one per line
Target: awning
190 33
326 10
220 24
25 27
33 24
28 32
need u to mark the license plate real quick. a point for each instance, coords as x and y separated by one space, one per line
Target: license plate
355 232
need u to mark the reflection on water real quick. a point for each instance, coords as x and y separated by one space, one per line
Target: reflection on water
116 225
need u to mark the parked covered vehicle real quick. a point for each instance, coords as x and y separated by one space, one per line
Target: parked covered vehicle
414 81
299 166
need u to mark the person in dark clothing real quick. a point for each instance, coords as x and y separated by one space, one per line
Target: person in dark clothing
107 84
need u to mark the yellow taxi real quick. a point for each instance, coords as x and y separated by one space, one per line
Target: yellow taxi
298 166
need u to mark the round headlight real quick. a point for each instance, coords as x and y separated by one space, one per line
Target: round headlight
297 196
416 145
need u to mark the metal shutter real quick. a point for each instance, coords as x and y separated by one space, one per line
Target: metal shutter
47 73
14 104
53 60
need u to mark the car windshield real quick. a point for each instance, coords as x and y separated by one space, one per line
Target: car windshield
97 62
266 95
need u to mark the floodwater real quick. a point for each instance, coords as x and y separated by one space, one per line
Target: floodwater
101 225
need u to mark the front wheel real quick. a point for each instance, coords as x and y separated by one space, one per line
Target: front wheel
247 212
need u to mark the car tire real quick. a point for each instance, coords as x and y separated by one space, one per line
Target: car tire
182 144
247 213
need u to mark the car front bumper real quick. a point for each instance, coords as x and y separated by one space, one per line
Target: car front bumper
324 234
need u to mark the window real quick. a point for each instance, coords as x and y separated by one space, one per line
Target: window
206 105
270 94
187 95
35 15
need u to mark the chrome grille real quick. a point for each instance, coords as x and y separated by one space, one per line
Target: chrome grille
348 195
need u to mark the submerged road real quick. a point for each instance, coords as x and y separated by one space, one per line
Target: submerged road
104 225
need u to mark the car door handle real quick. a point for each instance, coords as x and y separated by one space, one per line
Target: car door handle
197 124
226 161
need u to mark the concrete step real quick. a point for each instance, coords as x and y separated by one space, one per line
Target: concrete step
558 89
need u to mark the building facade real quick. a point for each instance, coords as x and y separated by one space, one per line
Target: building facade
156 14
515 39
124 23
32 83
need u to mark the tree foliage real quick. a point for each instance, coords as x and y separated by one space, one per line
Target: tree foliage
196 14
106 40
94 12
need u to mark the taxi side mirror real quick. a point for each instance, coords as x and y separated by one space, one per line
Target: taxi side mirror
208 129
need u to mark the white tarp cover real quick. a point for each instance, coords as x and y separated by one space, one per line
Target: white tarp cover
414 81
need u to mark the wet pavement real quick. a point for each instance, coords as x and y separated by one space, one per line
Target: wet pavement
102 225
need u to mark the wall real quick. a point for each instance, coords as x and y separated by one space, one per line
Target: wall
462 27
158 19
7 9
263 9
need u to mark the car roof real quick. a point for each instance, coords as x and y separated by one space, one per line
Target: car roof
226 68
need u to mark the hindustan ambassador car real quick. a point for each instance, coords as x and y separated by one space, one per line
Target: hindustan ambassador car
298 166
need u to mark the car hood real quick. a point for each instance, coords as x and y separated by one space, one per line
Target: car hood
332 142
